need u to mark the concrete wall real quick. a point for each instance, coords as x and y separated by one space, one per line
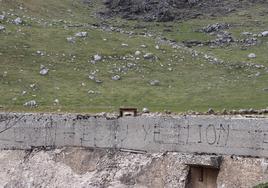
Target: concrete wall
194 134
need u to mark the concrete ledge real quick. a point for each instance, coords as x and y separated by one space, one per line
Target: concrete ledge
231 135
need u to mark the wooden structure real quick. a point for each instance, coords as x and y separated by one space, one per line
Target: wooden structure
128 112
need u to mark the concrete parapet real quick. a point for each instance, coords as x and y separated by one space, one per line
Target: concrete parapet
231 135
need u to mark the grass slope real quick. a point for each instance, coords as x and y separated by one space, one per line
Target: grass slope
186 82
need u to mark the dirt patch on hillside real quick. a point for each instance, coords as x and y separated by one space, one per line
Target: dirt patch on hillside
169 10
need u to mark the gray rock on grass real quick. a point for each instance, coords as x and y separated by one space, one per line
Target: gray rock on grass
215 27
246 33
210 111
18 21
145 110
116 78
137 53
56 102
40 53
149 56
154 82
2 28
93 78
97 57
2 17
81 34
43 70
252 55
264 33
71 39
91 92
31 103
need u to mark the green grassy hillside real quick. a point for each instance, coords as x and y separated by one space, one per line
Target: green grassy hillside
187 82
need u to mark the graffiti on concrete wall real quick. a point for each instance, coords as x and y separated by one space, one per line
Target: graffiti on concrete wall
194 134
186 134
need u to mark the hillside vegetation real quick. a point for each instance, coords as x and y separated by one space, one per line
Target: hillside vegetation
67 56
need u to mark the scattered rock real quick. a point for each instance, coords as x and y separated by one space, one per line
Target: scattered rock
5 74
215 27
2 17
170 69
32 86
145 110
251 55
191 43
246 33
223 38
98 81
210 111
31 103
23 93
243 111
131 65
91 92
71 39
149 56
252 111
264 34
124 45
2 28
137 53
18 21
154 82
93 78
265 89
97 57
40 53
81 34
224 111
263 111
43 70
167 111
257 74
56 102
116 77
249 41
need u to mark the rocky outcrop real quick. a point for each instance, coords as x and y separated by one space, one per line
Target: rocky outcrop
168 10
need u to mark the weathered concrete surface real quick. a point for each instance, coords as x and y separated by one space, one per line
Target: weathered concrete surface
195 134
80 167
